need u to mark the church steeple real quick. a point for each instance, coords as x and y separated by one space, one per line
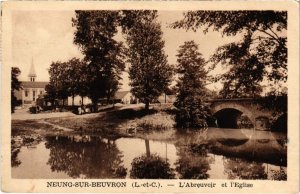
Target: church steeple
32 74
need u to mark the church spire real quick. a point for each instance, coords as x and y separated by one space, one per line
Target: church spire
32 74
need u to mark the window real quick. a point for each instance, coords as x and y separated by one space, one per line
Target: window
41 92
26 93
33 95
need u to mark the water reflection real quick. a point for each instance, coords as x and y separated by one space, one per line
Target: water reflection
30 141
237 168
206 154
15 162
151 166
191 164
85 157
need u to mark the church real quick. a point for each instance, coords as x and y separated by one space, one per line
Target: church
31 89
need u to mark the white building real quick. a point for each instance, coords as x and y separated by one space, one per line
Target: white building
30 90
78 100
124 97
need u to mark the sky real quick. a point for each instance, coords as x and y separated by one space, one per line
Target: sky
46 36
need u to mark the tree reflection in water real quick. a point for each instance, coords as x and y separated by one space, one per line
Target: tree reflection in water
85 157
237 168
279 175
15 162
151 166
17 142
193 162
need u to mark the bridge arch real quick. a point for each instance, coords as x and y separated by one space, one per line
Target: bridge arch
233 109
231 112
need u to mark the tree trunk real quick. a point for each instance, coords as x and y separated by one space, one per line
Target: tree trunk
81 100
147 105
107 99
73 100
94 101
147 148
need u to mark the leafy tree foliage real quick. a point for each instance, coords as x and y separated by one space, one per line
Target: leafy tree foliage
67 79
58 86
130 18
260 54
51 95
192 111
15 85
149 73
95 31
77 76
151 167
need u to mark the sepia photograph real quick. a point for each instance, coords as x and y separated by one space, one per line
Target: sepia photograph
122 94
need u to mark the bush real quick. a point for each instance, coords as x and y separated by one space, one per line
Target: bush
131 114
191 118
151 167
146 126
33 109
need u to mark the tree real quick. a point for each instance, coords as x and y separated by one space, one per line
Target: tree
50 93
95 31
77 76
261 54
192 111
149 73
15 85
59 84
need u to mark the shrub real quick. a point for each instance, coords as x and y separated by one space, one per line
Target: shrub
151 167
147 126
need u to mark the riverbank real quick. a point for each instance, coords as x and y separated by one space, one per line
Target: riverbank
121 121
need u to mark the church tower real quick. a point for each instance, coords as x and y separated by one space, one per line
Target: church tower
32 74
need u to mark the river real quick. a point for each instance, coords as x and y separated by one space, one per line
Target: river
213 153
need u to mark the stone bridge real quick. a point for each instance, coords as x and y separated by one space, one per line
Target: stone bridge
228 111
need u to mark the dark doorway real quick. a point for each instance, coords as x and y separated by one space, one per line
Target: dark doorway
227 118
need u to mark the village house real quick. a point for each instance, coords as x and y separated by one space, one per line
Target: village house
78 100
31 90
164 98
124 97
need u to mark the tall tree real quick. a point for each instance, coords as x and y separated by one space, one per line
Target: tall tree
261 53
15 85
95 31
51 95
77 74
58 87
149 73
192 111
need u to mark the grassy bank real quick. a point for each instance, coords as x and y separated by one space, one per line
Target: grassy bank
115 122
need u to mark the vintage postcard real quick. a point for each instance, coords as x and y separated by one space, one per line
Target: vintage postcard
150 96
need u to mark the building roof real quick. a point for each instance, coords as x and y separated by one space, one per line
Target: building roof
28 84
121 94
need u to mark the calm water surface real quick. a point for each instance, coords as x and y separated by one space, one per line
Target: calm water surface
208 154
